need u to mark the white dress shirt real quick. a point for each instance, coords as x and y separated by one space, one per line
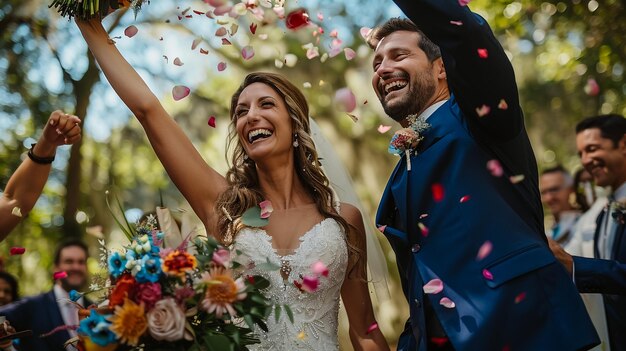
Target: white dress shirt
69 311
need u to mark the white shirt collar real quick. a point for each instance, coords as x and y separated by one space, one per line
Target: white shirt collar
431 109
620 193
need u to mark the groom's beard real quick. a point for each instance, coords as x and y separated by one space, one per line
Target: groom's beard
420 91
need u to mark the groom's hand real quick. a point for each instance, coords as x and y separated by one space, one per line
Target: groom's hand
560 254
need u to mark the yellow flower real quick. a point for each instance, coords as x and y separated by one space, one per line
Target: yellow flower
222 291
178 262
129 322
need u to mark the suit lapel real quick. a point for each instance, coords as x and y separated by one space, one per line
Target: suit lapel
55 320
596 236
617 241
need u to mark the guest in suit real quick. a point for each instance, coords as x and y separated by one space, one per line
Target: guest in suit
26 184
466 221
8 288
601 144
557 192
45 312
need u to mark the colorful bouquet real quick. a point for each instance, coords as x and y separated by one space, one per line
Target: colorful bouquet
185 298
87 9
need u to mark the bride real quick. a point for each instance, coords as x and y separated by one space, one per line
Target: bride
274 159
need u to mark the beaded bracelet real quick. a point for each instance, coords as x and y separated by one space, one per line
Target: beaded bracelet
37 159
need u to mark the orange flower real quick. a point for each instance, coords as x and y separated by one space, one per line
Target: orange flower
222 291
124 288
129 322
178 262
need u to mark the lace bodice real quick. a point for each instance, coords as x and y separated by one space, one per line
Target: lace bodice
316 313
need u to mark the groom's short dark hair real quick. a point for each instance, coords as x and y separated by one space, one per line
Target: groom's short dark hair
612 126
431 50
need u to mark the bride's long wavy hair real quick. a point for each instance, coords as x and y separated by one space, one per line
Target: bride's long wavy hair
243 190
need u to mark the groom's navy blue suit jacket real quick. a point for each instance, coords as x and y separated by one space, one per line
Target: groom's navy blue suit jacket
517 296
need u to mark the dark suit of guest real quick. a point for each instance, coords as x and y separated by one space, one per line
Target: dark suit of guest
40 314
517 297
608 277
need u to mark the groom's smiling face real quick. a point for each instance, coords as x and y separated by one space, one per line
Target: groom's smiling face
405 80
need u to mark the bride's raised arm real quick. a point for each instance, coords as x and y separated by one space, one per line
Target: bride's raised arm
198 182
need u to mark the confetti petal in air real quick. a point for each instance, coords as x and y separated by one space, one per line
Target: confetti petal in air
487 275
266 208
253 27
17 251
291 60
465 198
211 121
195 43
59 275
495 168
320 269
130 31
306 85
222 10
333 33
226 41
382 228
516 178
297 19
464 2
178 62
520 297
216 3
247 52
382 129
279 63
365 32
220 32
279 11
346 99
350 54
423 215
320 16
483 110
221 66
483 53
353 117
204 52
324 57
484 250
434 286
438 192
16 211
592 88
447 303
456 23
234 28
310 284
503 105
180 92
423 229
312 52
198 12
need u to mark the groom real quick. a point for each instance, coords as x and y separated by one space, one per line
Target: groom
465 220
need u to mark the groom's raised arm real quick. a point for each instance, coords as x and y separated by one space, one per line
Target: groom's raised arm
479 73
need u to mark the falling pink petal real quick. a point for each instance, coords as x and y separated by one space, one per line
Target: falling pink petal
320 16
222 10
503 105
333 33
438 192
483 110
320 269
382 228
178 62
382 129
423 229
279 11
334 51
180 92
350 54
516 178
520 297
592 88
220 32
312 52
195 43
365 32
434 286
130 31
346 99
483 53
423 215
266 208
297 19
59 275
456 23
212 121
447 303
17 251
221 66
487 275
247 52
484 250
226 41
253 27
465 198
204 52
310 284
495 168
464 2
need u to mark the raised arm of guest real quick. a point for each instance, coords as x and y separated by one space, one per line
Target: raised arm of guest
26 184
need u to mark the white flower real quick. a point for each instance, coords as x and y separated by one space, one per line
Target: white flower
166 321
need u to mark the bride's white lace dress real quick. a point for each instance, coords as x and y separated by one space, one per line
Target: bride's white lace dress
315 314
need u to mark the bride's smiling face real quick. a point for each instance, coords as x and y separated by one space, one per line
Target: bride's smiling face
262 122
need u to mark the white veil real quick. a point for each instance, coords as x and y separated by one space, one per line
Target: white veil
341 183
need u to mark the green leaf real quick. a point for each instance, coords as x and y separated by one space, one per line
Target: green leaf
277 313
289 312
217 342
248 320
252 217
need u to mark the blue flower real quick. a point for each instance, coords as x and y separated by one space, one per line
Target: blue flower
150 269
117 264
75 295
97 328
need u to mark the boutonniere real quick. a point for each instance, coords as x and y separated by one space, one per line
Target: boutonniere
405 140
618 211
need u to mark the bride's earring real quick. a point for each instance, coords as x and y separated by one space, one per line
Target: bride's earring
295 140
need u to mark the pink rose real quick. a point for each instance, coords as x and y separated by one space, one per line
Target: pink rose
166 321
221 257
149 294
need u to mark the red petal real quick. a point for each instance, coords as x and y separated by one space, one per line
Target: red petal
59 275
520 297
438 192
482 53
464 199
212 121
253 27
297 19
130 31
180 92
17 251
221 66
